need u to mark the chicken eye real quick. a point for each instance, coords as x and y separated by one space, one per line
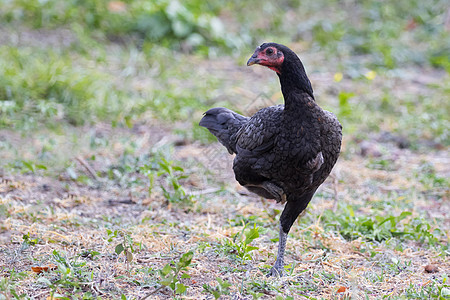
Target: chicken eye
269 51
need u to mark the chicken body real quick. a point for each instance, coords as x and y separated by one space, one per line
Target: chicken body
283 152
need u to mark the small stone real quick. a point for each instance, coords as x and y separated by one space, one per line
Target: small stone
46 187
431 269
370 149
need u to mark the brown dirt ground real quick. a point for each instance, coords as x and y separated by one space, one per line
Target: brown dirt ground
71 218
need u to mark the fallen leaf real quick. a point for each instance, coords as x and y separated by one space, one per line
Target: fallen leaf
341 289
431 269
39 270
129 256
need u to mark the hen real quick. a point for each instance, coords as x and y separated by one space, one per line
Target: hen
283 152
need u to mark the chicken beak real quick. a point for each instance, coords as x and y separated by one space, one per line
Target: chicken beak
253 60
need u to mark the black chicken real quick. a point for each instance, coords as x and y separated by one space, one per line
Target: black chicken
283 152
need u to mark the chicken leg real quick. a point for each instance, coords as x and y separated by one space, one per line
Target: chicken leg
294 207
277 269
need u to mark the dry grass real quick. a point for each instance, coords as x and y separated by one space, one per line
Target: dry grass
72 220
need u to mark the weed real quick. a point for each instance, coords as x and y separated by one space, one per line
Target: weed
222 288
380 228
240 244
69 274
202 247
29 241
26 166
125 246
345 108
257 289
170 275
255 295
172 174
432 290
8 284
381 164
89 253
426 174
4 213
238 220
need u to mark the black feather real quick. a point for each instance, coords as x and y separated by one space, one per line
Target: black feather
223 123
283 152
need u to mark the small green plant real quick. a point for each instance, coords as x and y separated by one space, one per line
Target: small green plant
8 284
171 174
170 275
429 178
345 108
89 253
26 166
222 288
240 244
378 228
29 241
3 212
434 290
125 246
420 230
256 295
278 297
238 220
381 164
69 274
258 288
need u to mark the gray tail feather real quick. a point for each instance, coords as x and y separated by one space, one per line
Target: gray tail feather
223 123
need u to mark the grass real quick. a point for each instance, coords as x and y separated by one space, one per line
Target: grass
58 89
110 189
